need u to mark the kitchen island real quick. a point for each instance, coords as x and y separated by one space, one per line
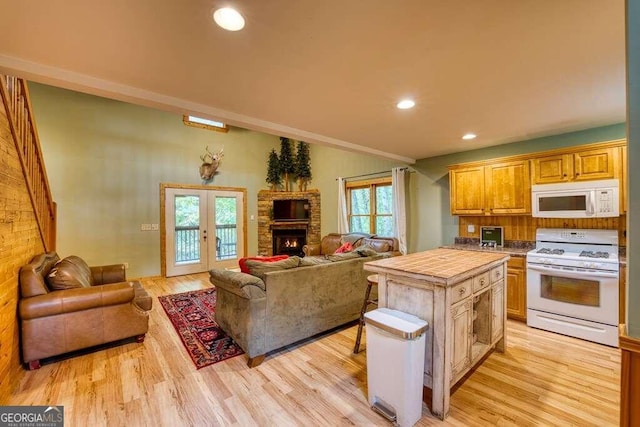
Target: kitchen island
462 296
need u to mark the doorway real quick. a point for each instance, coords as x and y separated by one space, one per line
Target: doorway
202 228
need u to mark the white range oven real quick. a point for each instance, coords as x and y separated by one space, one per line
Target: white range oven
572 283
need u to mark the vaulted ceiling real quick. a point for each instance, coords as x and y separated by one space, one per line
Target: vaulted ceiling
332 71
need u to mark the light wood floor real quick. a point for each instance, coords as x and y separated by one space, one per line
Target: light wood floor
542 379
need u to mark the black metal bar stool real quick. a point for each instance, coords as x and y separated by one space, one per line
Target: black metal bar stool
372 280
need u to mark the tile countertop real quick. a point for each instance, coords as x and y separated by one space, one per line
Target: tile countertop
516 252
444 267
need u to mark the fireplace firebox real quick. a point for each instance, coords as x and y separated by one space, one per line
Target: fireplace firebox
288 241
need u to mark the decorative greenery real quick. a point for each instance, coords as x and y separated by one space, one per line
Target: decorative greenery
287 164
303 166
273 173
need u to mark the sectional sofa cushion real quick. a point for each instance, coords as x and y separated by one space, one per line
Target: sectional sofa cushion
259 268
314 260
242 262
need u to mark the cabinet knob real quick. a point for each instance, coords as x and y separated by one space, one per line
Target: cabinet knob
482 281
462 291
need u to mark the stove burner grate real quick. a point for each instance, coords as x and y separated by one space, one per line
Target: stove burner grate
592 254
550 251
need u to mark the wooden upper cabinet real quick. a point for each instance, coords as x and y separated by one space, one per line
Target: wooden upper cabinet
600 163
467 191
503 186
550 169
499 189
508 188
595 164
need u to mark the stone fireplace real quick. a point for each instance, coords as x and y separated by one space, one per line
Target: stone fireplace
272 233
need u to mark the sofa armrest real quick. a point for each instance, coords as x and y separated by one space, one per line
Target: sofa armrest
311 249
77 299
104 274
242 284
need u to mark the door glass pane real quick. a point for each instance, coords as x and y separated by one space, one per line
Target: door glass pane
226 228
574 291
187 232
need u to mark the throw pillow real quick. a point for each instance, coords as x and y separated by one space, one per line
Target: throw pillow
365 251
68 273
346 247
242 262
377 244
259 268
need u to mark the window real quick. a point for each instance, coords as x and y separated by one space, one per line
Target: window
369 206
204 123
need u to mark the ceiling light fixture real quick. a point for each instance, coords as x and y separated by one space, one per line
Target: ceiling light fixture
469 136
405 104
229 19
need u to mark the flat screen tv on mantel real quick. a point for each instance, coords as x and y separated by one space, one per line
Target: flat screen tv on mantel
290 210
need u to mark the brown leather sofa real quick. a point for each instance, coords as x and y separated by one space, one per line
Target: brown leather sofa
93 306
333 241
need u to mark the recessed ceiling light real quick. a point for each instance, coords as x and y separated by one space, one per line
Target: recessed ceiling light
405 104
469 136
229 19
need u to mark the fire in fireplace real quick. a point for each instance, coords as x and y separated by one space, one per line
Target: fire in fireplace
288 241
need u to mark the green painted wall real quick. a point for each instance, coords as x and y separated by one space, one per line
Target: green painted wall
106 159
432 224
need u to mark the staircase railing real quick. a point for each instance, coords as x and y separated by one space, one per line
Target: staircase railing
15 96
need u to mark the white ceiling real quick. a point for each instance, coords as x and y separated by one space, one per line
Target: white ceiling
331 71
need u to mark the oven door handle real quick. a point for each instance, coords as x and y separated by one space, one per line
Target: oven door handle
572 273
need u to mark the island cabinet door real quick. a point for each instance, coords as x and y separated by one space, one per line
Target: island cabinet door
461 320
497 322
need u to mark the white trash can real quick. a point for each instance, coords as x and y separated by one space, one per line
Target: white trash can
395 364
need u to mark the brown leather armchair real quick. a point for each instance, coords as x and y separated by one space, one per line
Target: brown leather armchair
102 309
333 241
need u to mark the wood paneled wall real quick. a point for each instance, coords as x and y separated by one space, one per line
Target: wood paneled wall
524 227
19 242
629 379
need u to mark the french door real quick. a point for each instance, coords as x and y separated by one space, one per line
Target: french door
204 228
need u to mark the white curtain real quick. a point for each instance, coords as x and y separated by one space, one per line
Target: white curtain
343 225
398 184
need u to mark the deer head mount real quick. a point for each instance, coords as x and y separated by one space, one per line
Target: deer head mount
210 162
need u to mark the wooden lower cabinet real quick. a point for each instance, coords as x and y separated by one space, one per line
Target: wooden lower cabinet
497 311
461 315
477 323
517 289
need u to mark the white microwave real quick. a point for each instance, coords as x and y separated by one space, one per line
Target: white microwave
584 199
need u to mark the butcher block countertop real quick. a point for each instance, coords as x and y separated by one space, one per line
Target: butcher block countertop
445 267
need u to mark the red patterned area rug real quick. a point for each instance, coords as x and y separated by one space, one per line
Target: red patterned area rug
193 316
